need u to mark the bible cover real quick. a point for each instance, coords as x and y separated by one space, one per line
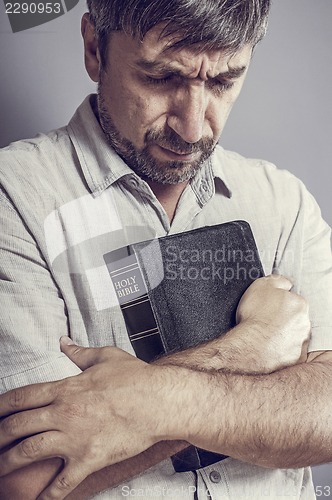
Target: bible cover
181 290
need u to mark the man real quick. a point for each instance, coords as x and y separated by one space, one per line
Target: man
144 155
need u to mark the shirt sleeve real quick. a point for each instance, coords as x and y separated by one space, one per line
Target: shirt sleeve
307 261
316 284
33 315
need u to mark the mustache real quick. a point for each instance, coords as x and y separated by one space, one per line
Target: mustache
169 139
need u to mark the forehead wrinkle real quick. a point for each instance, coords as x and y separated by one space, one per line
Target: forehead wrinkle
163 68
190 70
158 66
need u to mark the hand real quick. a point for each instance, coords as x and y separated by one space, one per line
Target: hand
276 325
92 420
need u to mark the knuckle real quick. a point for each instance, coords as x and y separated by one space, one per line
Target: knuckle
66 389
275 280
259 282
60 386
30 448
63 483
299 304
10 426
270 278
16 398
302 303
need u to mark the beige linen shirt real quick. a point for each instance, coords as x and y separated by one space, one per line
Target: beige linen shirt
65 199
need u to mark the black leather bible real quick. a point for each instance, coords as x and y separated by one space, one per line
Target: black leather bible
181 290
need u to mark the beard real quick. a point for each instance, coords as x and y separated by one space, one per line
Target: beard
143 163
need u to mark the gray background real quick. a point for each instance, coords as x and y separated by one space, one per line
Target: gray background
283 115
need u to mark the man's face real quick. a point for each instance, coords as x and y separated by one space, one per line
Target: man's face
163 110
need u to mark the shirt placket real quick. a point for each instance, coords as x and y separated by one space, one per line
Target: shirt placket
215 483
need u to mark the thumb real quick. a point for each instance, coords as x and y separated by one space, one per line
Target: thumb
279 281
83 357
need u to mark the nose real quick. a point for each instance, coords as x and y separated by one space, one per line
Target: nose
188 112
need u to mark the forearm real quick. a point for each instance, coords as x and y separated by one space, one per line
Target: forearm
35 478
235 352
223 354
278 420
229 353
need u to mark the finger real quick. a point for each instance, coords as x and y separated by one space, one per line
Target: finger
32 449
27 397
83 357
66 481
279 281
25 424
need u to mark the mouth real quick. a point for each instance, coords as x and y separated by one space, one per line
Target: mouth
169 154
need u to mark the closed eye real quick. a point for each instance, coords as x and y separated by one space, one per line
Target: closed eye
159 81
220 86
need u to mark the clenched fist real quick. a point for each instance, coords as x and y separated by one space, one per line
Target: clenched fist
276 325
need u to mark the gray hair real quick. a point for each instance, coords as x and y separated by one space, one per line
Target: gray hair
207 24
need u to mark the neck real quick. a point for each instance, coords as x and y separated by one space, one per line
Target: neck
168 195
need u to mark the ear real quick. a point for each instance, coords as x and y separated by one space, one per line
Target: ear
91 51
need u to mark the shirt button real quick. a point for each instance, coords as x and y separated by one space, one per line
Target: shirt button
204 185
215 476
133 182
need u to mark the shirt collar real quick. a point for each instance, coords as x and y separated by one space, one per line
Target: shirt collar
218 159
102 166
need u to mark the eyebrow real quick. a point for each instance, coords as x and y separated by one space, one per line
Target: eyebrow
167 69
233 72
